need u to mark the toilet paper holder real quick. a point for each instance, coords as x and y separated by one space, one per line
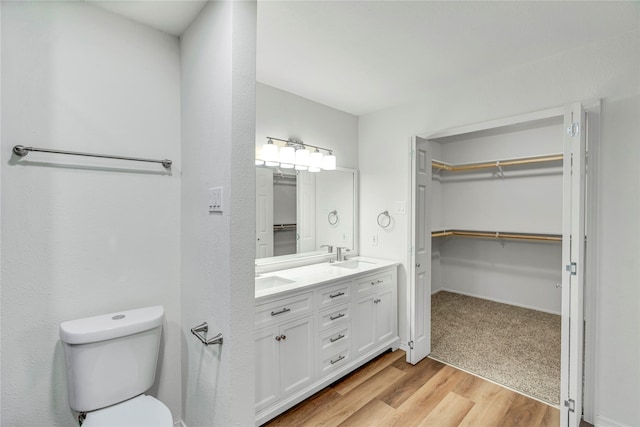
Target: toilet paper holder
204 328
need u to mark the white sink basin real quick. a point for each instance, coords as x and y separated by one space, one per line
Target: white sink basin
269 282
353 264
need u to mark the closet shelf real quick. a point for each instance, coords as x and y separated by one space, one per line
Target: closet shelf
284 227
439 165
498 235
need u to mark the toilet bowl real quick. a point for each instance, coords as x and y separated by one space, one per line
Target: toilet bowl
141 411
111 362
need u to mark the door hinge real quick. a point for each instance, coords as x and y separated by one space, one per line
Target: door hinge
411 154
410 344
572 268
571 404
574 129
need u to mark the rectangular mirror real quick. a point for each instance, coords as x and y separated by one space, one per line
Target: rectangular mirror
298 212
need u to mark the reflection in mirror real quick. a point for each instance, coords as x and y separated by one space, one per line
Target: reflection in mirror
298 212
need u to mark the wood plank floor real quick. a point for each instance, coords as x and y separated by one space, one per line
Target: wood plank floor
390 392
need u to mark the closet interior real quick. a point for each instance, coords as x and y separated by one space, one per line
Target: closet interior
496 198
285 229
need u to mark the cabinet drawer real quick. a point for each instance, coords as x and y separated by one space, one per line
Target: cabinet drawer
335 340
333 295
273 312
374 282
334 361
334 316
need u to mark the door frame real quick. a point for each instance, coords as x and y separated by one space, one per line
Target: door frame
592 128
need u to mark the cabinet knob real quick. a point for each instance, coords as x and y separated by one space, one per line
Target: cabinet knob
284 337
417 265
278 338
376 301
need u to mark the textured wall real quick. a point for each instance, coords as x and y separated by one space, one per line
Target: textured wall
84 236
218 134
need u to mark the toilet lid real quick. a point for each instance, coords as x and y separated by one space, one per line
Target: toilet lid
141 411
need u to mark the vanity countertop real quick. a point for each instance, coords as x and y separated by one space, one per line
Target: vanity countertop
294 279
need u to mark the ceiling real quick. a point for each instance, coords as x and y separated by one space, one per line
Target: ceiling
363 56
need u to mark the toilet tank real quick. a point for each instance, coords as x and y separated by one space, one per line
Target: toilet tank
112 357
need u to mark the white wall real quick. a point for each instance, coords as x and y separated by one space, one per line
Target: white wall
284 115
618 294
84 236
606 69
218 134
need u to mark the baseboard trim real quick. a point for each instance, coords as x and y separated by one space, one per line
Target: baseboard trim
454 291
606 422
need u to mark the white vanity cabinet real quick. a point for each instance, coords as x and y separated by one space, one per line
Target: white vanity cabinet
307 338
284 348
375 311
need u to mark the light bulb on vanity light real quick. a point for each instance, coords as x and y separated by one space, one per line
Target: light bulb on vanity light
329 162
287 157
302 159
315 161
270 154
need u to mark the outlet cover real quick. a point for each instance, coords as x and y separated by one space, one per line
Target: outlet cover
400 207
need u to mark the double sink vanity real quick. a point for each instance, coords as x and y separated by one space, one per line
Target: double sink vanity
318 322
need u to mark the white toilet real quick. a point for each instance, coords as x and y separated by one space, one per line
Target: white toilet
111 362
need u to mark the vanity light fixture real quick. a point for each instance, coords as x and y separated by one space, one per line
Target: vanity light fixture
295 153
329 162
287 156
270 153
302 159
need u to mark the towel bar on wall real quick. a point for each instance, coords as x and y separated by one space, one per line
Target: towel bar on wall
22 151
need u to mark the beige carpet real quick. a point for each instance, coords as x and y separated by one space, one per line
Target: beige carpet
513 346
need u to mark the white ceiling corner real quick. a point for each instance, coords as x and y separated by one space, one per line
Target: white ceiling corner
172 17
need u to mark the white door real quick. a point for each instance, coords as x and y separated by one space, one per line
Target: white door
573 250
296 355
264 212
420 254
385 316
306 212
267 351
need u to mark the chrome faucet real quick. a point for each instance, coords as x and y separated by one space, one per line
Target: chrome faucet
340 256
329 250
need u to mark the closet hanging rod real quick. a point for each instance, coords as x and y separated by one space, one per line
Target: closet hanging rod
284 227
498 235
498 163
23 151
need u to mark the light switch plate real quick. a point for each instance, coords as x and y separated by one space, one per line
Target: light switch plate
400 207
215 199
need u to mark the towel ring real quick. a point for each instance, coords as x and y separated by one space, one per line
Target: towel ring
333 217
381 221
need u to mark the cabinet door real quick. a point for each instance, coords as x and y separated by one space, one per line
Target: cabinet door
364 336
296 355
267 350
385 315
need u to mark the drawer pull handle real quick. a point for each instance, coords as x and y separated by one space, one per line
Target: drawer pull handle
284 310
336 317
339 294
376 282
337 360
339 337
